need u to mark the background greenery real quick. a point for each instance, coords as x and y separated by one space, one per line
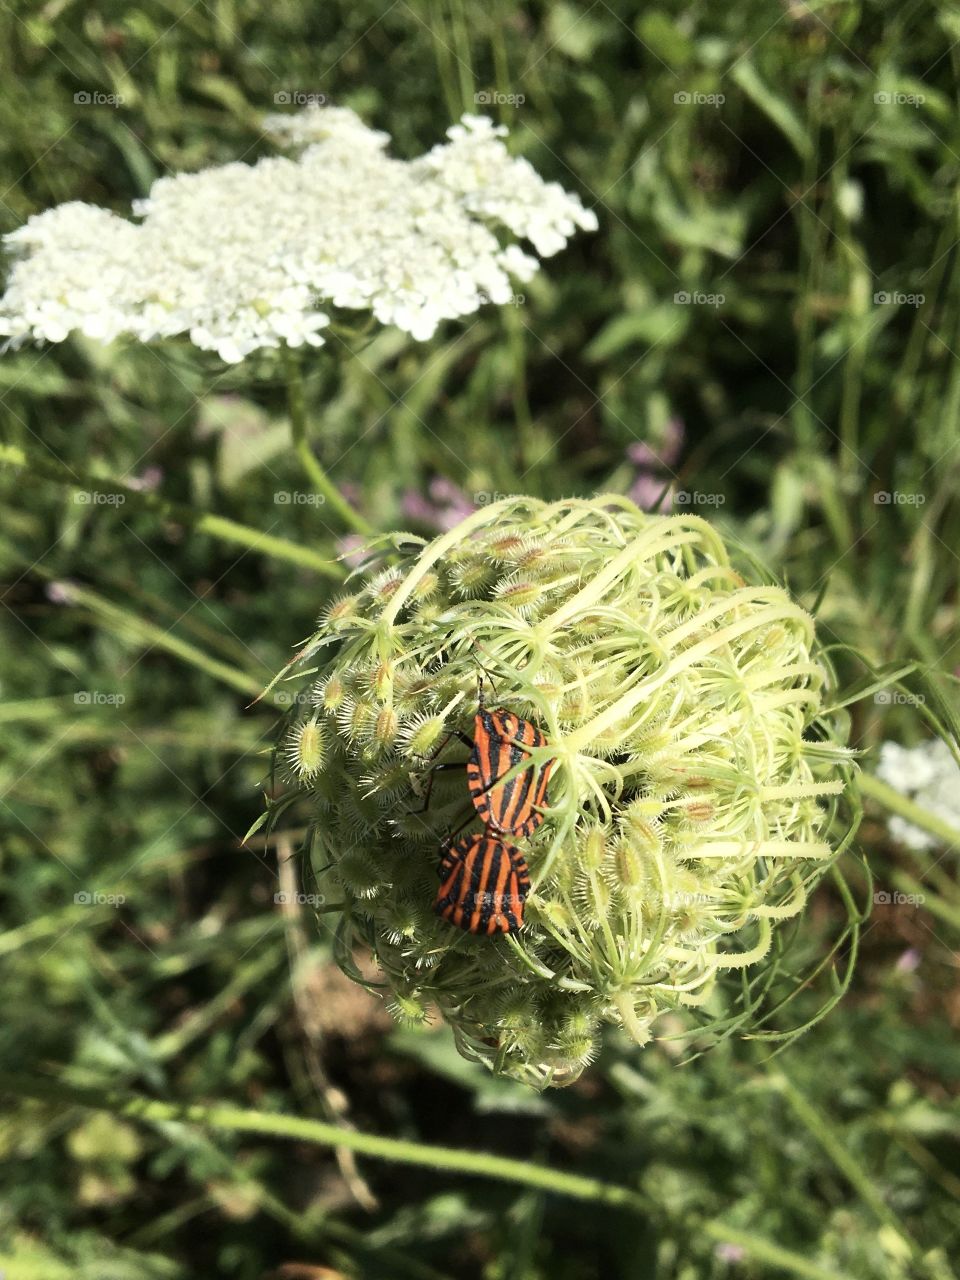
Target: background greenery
793 202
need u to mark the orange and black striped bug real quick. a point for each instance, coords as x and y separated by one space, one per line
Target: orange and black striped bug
499 738
483 884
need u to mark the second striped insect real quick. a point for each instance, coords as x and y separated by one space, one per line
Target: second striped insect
499 739
483 884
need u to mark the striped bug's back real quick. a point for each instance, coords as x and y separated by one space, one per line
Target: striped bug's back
483 885
506 806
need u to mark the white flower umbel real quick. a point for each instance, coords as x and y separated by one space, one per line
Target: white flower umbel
928 775
244 257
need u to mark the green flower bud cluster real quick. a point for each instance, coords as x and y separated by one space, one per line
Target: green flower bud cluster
689 796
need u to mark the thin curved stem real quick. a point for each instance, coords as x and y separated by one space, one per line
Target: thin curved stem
204 522
480 1164
303 1129
321 482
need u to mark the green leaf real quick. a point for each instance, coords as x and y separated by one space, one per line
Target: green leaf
774 107
663 37
662 325
104 1137
572 31
249 440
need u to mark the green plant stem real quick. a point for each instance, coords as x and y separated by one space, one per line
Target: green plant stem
909 809
443 53
157 637
309 1226
934 904
225 1118
527 438
461 35
51 708
297 403
52 925
501 14
812 234
203 522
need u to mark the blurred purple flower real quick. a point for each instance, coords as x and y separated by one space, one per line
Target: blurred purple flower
646 492
148 480
908 961
651 463
443 506
58 592
351 549
730 1252
645 455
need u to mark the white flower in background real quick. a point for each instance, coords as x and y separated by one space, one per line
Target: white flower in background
928 775
319 124
79 263
243 257
476 166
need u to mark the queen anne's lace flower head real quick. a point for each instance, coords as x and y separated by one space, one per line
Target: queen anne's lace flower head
243 257
689 801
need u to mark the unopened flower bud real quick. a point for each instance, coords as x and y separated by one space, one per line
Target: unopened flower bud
691 769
